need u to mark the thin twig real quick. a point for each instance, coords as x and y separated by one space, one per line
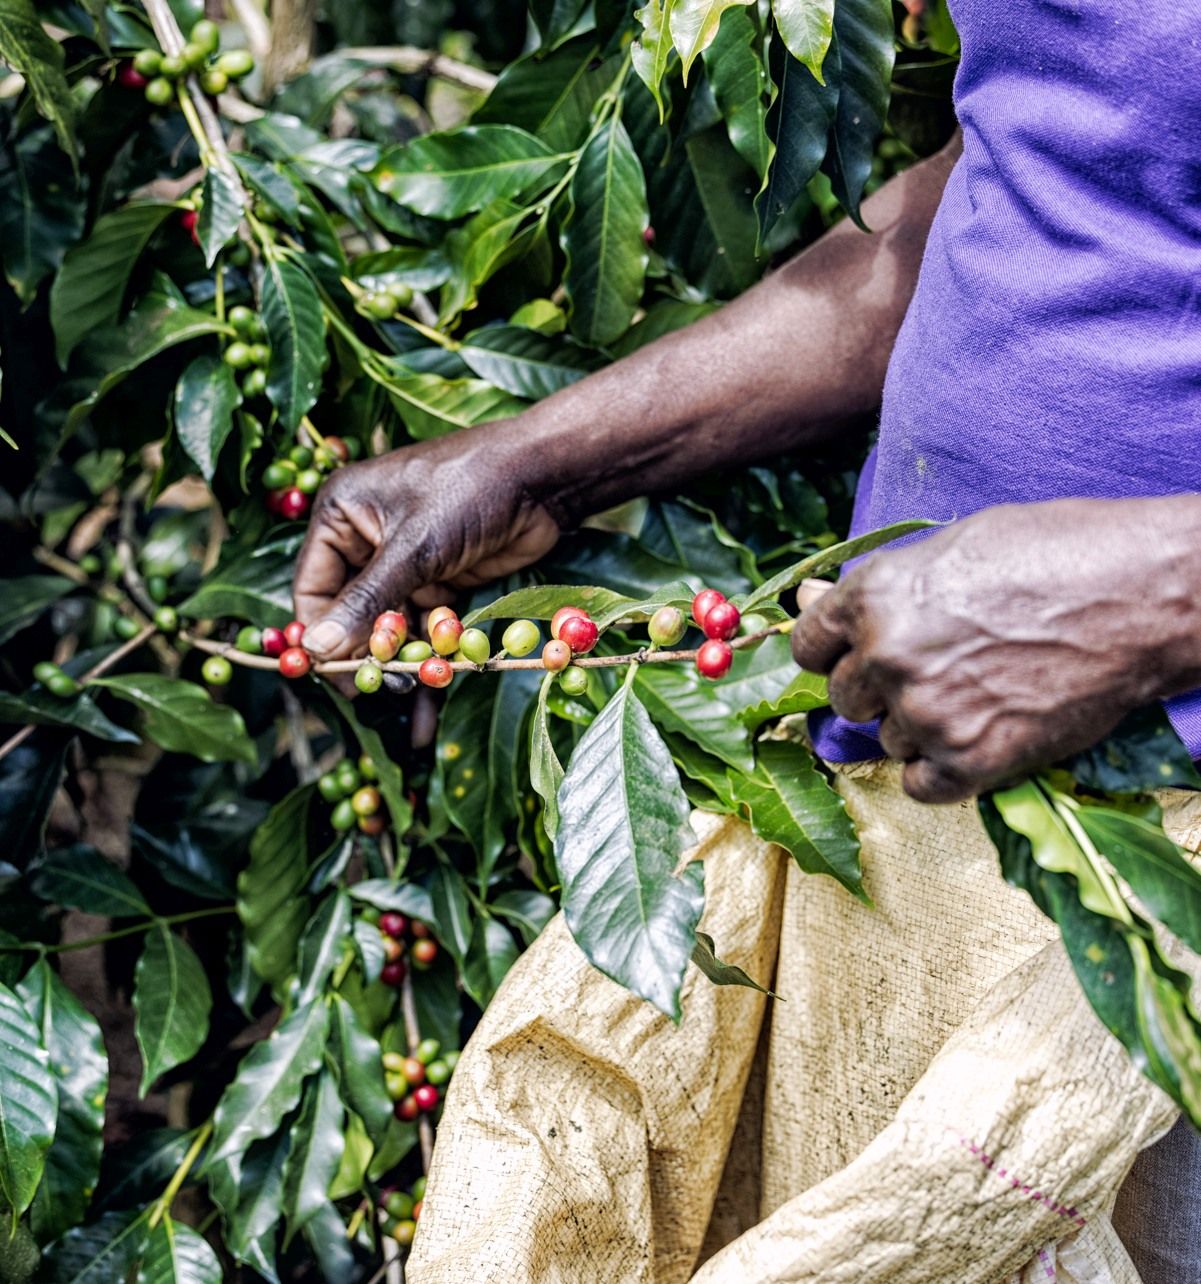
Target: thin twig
135 586
299 749
408 1007
423 62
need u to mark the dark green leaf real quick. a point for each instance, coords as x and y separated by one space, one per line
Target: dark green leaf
524 362
270 904
79 1066
546 771
205 400
704 955
679 699
704 769
411 265
315 1153
79 712
734 66
528 911
652 50
220 213
292 314
663 317
87 293
255 585
499 234
555 18
791 803
81 878
806 27
623 827
432 406
29 780
171 1002
806 691
270 186
99 1252
28 1105
249 1191
26 48
357 1058
136 1171
404 898
176 1254
541 601
489 956
369 945
1142 753
451 918
41 210
603 237
182 718
321 946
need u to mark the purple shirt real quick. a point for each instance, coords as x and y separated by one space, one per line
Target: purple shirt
1053 345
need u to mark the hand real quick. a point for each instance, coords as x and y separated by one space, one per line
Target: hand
1013 638
413 526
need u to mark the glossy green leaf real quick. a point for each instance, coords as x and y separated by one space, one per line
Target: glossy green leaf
322 946
806 27
739 80
369 946
415 266
651 52
28 1105
79 712
99 1252
271 906
528 911
176 1254
256 585
205 400
432 406
864 33
87 293
220 213
693 25
292 313
546 771
555 18
79 1065
541 601
26 48
791 803
603 237
447 175
249 1191
451 916
41 210
499 234
405 898
357 1060
707 779
269 1081
524 362
315 1153
171 1003
1142 753
827 560
351 1177
136 1170
704 955
623 825
81 878
182 717
805 692
490 955
270 186
679 699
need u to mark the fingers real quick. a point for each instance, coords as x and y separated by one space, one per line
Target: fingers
344 626
929 782
895 742
821 635
333 547
810 591
853 694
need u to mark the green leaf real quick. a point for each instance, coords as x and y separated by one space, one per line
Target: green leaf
220 213
87 293
26 48
98 1252
694 25
249 1191
269 1082
41 210
739 80
171 1003
541 601
798 125
26 598
704 769
827 560
321 946
447 175
791 803
357 1060
704 955
405 898
79 712
555 18
652 50
806 27
1142 753
176 1254
315 1153
271 906
479 249
451 918
546 771
528 911
270 186
524 362
603 237
863 30
28 1105
182 718
623 825
432 406
135 1171
293 316
805 692
205 400
490 955
679 699
255 585
79 1066
81 878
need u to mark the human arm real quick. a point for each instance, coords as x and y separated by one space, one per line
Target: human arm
1015 637
778 369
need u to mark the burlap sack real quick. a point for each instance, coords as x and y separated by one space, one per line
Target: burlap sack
933 1101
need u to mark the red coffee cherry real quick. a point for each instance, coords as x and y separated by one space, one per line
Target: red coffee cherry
437 615
413 1071
417 1207
373 826
444 636
406 1109
648 235
721 621
274 643
714 658
424 953
294 632
129 77
383 645
556 655
338 448
187 220
420 930
392 924
394 622
564 613
393 949
393 973
580 633
293 504
704 602
295 662
435 672
426 1097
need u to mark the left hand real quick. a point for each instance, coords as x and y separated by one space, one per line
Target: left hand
1013 638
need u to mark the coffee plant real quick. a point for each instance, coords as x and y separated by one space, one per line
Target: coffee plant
247 923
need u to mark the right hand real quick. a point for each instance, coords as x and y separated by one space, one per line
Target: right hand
415 525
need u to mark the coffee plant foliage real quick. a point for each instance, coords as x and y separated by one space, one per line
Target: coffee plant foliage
216 294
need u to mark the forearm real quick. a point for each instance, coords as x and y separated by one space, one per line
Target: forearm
777 369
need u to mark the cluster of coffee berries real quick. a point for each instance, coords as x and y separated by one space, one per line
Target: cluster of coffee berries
283 645
719 621
400 936
292 479
155 73
55 680
249 354
402 1209
384 303
415 1083
573 632
354 798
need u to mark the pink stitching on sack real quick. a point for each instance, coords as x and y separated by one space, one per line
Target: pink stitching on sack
1015 1183
1048 1269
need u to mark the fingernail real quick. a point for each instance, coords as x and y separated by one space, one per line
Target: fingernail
325 637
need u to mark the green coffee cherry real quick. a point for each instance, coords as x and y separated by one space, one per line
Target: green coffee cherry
239 355
667 626
255 383
206 35
427 1051
172 67
378 304
148 62
573 681
354 447
158 91
166 619
90 564
342 817
260 354
402 294
301 456
44 670
521 637
217 671
157 587
415 652
214 82
451 1059
250 640
308 480
417 1189
399 1204
236 63
125 628
367 768
194 56
348 777
474 645
277 475
369 677
243 320
62 685
397 1086
329 787
437 1073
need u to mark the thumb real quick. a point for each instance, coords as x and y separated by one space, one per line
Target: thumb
343 631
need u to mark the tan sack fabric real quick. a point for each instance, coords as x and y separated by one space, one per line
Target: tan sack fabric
933 1101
